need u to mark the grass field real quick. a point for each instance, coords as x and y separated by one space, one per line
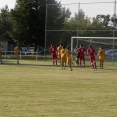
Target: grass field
38 89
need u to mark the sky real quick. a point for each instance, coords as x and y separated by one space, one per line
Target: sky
91 9
10 3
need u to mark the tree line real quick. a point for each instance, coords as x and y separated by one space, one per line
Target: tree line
25 23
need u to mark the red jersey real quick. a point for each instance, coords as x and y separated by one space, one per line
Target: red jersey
53 50
91 51
81 51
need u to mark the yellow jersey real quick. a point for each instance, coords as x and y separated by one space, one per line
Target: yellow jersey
63 55
101 54
68 55
59 50
16 50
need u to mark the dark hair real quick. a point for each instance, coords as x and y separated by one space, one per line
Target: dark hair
101 47
52 44
90 46
68 48
81 45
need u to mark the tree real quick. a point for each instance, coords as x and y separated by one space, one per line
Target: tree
28 20
5 25
55 23
114 21
76 26
105 19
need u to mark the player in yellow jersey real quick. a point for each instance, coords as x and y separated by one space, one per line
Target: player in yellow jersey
101 56
69 58
16 52
63 57
1 53
59 51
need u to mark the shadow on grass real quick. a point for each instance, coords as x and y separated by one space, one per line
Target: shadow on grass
45 64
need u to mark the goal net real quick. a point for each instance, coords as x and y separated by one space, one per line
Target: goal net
108 43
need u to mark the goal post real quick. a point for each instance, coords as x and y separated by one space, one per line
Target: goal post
89 39
106 42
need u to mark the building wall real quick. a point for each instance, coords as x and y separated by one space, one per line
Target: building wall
4 45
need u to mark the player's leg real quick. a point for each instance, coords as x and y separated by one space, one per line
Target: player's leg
91 61
70 65
84 61
101 64
62 63
69 62
65 61
80 59
52 59
55 59
17 58
1 59
94 62
77 60
60 58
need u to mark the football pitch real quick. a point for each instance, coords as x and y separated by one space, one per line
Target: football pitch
38 89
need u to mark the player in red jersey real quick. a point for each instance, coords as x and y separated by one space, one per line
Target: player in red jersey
53 51
82 51
91 54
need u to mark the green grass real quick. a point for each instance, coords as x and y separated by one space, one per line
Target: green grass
38 89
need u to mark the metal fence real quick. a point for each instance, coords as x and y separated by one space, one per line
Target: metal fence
53 32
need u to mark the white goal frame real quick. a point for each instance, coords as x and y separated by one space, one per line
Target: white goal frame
83 38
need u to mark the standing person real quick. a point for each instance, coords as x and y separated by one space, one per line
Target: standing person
77 55
101 56
82 51
69 58
1 53
16 52
63 57
91 54
53 51
59 51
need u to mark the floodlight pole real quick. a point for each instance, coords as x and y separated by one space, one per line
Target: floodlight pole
114 32
78 20
71 44
45 32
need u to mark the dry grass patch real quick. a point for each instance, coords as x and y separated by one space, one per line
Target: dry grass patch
38 89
